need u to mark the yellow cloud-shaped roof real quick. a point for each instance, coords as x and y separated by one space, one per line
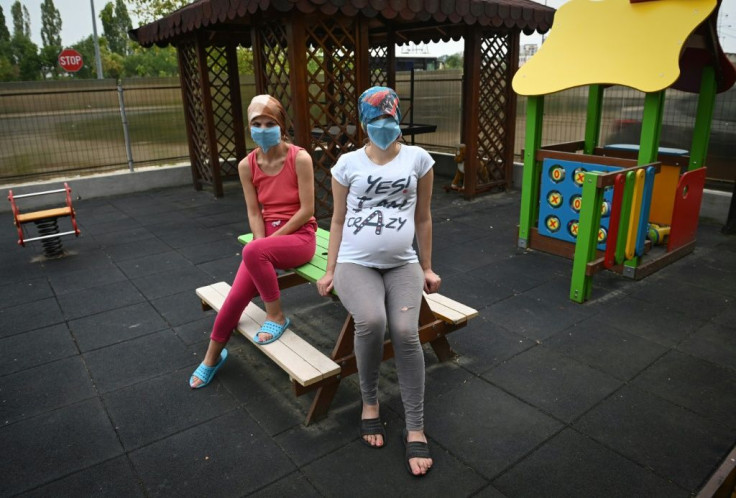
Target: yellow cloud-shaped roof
613 42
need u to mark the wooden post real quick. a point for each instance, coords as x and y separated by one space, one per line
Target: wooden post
587 240
259 65
363 70
297 53
204 75
593 118
703 119
236 102
532 168
651 127
471 84
188 104
391 60
510 125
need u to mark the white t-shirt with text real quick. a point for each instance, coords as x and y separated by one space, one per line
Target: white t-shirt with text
379 222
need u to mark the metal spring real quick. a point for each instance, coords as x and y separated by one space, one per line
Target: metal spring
51 247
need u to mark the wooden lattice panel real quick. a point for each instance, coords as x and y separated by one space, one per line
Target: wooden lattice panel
222 111
494 105
379 65
195 114
333 100
276 61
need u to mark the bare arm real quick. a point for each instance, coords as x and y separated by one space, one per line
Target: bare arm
339 202
423 224
255 217
305 180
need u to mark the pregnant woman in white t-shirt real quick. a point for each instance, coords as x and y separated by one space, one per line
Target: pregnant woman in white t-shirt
382 194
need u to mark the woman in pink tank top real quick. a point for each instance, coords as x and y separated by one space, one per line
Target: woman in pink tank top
278 185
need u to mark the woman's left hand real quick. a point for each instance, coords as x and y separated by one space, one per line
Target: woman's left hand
431 281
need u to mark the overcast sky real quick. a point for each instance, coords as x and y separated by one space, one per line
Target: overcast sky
76 17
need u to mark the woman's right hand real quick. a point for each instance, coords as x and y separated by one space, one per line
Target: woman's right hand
324 284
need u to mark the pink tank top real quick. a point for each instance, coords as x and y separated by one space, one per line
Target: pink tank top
278 194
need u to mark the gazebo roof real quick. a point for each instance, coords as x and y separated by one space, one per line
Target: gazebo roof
417 20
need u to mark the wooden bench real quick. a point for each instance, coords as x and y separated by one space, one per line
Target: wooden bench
304 364
308 368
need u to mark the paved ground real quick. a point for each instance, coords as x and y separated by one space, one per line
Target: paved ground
632 394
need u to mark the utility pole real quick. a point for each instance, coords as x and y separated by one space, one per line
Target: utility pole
97 42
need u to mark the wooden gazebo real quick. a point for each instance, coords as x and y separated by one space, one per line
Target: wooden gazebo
317 56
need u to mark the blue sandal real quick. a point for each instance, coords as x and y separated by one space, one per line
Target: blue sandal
205 373
272 328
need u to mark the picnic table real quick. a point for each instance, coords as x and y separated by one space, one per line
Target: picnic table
308 368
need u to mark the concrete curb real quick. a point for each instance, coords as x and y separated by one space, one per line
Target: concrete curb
105 185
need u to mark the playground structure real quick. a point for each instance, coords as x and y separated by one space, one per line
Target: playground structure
609 207
46 221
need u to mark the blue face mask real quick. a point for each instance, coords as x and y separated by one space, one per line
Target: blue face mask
266 137
383 132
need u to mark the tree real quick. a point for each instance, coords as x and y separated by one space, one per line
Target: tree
4 33
24 55
245 60
150 10
8 71
115 24
22 52
86 47
51 38
21 20
50 24
454 61
154 61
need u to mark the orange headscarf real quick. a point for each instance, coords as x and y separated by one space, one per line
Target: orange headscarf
265 105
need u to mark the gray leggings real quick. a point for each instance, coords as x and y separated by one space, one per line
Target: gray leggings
376 298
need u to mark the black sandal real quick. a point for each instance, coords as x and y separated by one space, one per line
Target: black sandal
372 427
415 449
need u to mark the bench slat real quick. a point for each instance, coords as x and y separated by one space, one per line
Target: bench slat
284 356
310 272
298 358
319 361
451 303
314 357
449 310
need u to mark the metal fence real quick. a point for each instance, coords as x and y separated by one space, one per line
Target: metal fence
66 128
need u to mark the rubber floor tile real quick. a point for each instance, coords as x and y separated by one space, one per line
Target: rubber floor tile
676 443
553 383
696 384
54 445
598 343
480 423
37 347
112 478
45 388
133 361
115 326
97 299
571 465
157 408
228 456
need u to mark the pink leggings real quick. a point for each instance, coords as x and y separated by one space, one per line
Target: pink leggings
257 274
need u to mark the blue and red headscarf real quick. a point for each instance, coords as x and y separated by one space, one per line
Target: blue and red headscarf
378 101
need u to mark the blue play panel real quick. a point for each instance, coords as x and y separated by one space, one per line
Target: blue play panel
561 194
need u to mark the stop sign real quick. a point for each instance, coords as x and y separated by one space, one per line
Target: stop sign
70 60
